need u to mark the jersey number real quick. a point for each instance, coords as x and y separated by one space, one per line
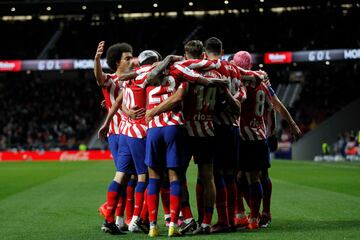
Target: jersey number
155 97
205 99
260 100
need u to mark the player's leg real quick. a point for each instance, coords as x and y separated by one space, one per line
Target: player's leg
209 194
138 148
130 193
154 159
188 224
204 157
229 173
265 218
221 157
200 198
116 187
241 219
257 153
174 141
165 197
255 194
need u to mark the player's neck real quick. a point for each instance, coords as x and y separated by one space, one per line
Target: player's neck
212 56
119 72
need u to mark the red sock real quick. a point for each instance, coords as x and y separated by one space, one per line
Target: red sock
267 189
165 198
144 215
208 215
139 197
130 189
255 195
185 205
112 198
119 207
153 198
221 200
175 200
231 198
200 199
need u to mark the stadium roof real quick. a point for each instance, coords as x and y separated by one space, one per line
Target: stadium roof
38 7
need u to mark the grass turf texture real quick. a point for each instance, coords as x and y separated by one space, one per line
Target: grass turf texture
59 200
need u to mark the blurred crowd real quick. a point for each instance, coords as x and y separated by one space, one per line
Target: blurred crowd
253 31
47 112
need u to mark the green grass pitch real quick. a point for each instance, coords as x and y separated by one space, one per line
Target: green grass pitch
59 200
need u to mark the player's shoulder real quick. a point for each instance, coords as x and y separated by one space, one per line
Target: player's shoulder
211 74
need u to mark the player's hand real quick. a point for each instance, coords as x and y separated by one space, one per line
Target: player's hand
136 112
175 58
149 115
272 143
102 133
103 104
100 50
295 130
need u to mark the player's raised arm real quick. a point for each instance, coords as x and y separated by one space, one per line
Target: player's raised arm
99 74
128 76
158 71
280 108
114 108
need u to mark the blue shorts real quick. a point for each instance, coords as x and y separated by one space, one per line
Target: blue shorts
165 147
131 155
254 155
202 149
226 146
113 141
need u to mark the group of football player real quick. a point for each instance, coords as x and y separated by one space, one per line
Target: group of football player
164 112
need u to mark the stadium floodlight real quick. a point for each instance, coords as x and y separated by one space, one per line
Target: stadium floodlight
48 8
262 1
83 7
327 63
119 6
13 9
261 10
155 5
191 4
226 2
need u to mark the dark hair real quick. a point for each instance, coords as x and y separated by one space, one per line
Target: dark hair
195 48
114 53
159 55
231 57
149 60
213 45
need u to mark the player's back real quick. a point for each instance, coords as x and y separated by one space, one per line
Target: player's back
199 107
252 124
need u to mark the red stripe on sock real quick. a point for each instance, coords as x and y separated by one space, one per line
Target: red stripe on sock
175 205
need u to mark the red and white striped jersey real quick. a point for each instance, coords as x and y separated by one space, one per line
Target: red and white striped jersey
252 124
199 107
111 90
134 94
222 114
199 64
177 77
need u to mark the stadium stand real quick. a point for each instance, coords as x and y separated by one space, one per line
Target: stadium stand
70 111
